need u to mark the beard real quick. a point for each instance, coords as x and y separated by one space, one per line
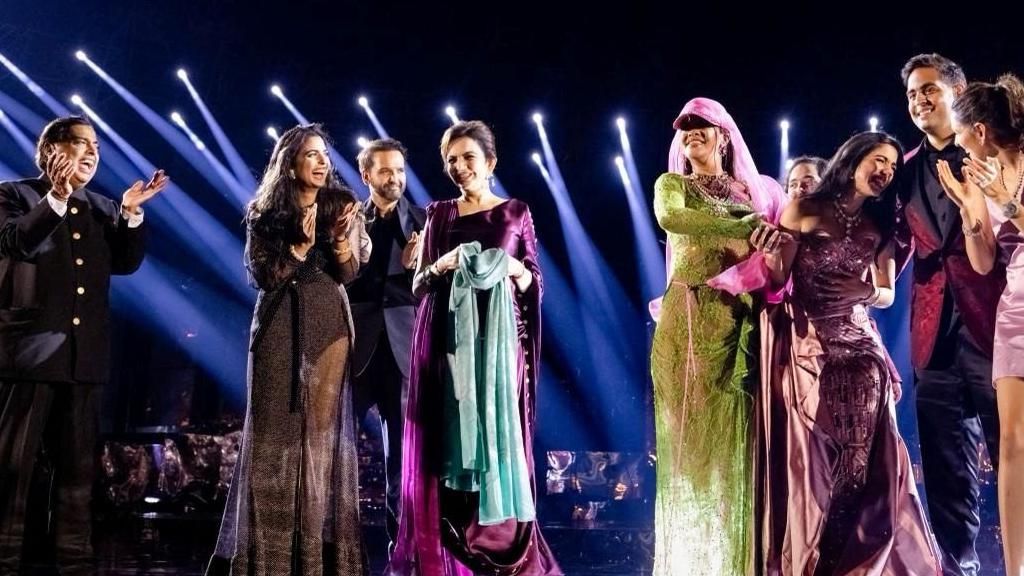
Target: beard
390 192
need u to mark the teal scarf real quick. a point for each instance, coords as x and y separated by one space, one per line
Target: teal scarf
484 449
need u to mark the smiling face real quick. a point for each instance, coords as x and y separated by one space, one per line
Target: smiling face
702 144
312 164
929 99
972 139
82 148
875 171
467 166
386 175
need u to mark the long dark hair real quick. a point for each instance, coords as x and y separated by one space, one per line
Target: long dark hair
838 177
999 106
276 210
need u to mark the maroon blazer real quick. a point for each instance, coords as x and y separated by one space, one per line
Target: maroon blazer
940 257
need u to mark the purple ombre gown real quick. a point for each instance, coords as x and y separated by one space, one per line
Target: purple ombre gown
438 531
836 492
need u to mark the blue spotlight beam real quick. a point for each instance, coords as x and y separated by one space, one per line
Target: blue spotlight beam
611 336
231 188
21 114
347 171
220 249
49 101
373 118
175 138
596 269
177 313
651 263
597 356
7 173
416 188
238 167
20 139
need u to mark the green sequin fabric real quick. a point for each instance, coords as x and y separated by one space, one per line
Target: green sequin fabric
701 363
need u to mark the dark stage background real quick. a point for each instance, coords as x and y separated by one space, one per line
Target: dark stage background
826 70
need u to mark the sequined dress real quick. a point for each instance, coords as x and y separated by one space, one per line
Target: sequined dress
836 493
701 361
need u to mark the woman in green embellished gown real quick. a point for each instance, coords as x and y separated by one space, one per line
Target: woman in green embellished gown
709 203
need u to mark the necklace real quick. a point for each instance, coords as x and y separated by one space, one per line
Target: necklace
715 190
848 221
1020 180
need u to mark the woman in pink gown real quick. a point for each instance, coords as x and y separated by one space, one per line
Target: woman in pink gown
835 491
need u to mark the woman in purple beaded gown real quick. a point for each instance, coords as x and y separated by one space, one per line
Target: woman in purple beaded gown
468 490
835 493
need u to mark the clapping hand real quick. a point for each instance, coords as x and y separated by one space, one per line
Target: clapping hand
59 169
308 230
411 250
987 175
343 225
138 194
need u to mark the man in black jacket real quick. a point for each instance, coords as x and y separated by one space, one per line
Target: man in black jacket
383 307
59 245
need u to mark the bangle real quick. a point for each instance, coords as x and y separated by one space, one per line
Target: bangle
296 255
973 231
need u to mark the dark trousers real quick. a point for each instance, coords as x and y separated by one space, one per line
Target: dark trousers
382 384
48 430
956 411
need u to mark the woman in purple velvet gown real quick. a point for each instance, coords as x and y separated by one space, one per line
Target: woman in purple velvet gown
441 532
836 493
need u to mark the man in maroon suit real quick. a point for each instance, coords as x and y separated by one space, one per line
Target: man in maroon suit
952 319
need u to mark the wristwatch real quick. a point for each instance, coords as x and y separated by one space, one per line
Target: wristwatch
1011 209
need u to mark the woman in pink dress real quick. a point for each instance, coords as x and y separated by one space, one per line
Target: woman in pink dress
835 491
988 122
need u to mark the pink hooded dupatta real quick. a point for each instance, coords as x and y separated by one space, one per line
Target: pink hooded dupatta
766 195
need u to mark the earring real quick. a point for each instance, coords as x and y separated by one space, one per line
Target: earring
291 174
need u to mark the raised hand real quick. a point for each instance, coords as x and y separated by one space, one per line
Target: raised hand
60 169
987 175
411 250
343 225
309 231
138 194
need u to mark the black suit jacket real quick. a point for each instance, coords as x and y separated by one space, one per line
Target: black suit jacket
372 317
55 282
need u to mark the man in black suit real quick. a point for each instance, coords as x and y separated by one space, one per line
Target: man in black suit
59 244
383 307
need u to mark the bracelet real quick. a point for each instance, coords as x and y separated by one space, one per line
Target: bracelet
1011 209
296 254
973 231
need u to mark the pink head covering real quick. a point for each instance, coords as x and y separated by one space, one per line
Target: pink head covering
766 195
